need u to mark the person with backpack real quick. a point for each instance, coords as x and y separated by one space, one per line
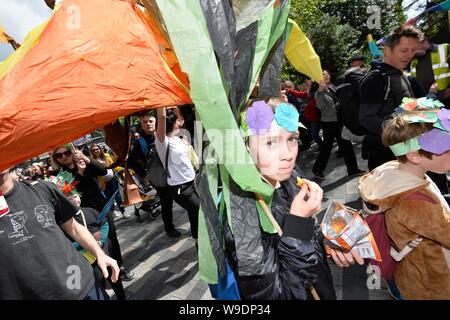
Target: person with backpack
348 96
327 101
357 61
173 151
383 89
417 217
142 153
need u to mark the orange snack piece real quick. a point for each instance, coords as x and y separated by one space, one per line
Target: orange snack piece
338 224
299 182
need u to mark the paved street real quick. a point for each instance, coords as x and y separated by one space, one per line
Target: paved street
167 268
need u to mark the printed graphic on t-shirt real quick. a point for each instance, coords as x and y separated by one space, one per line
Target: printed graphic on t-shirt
18 222
41 213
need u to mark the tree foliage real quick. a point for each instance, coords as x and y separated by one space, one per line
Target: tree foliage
338 28
334 42
306 13
433 23
357 13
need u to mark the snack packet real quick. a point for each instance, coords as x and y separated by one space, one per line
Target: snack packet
344 228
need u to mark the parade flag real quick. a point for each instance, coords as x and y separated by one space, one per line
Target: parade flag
90 63
444 6
374 50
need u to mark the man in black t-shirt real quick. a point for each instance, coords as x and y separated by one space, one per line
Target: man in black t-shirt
37 261
382 91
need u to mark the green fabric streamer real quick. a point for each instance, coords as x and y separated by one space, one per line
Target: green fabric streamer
266 224
189 35
226 193
207 262
187 29
270 30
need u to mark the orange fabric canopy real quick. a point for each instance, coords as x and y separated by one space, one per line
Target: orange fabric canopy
95 61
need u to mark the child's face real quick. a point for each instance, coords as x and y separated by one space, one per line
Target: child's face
438 163
274 153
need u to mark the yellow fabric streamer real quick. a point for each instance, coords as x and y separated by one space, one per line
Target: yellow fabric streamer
301 53
30 41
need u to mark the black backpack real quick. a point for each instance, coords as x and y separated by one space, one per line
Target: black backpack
158 173
348 94
348 97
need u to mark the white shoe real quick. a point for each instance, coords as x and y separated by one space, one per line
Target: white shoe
126 215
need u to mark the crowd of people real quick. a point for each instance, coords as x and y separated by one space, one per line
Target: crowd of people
56 211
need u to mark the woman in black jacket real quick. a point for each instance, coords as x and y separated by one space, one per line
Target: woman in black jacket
86 171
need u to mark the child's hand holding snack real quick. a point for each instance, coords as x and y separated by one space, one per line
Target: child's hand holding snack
347 236
308 201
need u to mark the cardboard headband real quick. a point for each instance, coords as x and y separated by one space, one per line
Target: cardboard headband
426 110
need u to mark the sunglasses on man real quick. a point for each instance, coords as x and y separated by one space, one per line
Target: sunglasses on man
66 154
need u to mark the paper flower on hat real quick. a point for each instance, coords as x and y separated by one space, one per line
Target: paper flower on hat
425 109
287 117
438 104
65 182
426 103
408 104
259 117
435 141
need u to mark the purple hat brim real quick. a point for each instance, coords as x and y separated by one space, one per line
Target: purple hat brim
435 141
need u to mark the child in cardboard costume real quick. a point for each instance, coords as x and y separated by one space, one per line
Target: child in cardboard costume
417 216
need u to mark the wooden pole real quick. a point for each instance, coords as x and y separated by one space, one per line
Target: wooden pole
50 4
14 44
269 214
314 293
